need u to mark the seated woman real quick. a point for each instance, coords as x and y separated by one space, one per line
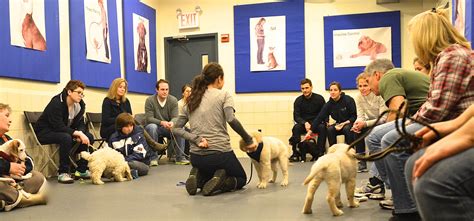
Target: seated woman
114 104
130 141
342 109
441 177
10 196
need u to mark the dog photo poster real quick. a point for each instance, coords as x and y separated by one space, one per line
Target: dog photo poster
268 43
27 24
141 43
97 31
358 47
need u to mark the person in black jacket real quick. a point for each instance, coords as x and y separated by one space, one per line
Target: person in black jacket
305 109
62 122
342 109
114 104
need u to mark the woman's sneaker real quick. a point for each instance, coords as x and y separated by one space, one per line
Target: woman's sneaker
65 178
192 183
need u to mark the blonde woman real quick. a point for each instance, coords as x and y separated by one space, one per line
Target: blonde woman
114 104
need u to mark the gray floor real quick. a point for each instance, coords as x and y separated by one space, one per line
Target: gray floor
158 196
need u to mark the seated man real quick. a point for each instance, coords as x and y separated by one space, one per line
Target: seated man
161 110
305 109
10 196
62 122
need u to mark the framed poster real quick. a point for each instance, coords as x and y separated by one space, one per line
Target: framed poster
140 46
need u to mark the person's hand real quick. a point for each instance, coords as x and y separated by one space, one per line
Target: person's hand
251 148
203 144
358 126
308 135
429 136
339 126
83 138
17 169
307 126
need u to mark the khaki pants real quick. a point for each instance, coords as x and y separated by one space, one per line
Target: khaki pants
11 196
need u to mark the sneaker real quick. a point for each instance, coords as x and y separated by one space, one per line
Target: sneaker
82 175
192 181
154 163
214 183
361 198
65 178
294 158
362 167
182 162
2 205
374 189
134 173
387 204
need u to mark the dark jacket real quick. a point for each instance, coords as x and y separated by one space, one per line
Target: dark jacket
110 110
5 164
341 110
306 110
132 146
55 117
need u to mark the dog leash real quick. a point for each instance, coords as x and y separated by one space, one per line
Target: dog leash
401 129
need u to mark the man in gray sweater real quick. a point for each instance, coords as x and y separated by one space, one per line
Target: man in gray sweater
161 111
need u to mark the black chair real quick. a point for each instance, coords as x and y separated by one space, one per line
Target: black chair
93 120
31 118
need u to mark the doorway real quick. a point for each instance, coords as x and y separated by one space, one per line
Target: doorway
185 56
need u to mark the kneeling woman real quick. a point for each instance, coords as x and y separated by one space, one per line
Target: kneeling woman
209 109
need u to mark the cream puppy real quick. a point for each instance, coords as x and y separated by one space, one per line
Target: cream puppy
14 151
336 167
270 152
108 162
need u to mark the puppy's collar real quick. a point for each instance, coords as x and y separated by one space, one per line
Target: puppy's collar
7 157
256 154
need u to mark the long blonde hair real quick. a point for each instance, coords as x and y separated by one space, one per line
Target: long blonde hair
431 32
112 93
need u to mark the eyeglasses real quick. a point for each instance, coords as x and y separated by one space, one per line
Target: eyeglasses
80 93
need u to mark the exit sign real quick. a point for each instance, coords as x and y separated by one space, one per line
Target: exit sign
188 20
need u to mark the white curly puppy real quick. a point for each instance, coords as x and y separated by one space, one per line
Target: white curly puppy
337 167
108 162
269 152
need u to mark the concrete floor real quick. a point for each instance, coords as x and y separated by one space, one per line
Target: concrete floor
159 196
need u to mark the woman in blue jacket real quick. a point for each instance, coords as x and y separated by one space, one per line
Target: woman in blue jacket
342 109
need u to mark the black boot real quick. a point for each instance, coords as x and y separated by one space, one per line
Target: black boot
229 185
215 183
194 181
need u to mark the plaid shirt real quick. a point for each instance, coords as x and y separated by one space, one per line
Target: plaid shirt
452 87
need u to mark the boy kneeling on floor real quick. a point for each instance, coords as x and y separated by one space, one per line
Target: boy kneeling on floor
130 141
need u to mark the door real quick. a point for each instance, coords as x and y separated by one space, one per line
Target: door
185 56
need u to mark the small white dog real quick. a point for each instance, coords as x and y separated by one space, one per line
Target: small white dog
14 151
269 152
337 167
109 162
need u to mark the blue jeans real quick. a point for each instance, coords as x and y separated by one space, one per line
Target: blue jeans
156 132
395 166
446 187
374 144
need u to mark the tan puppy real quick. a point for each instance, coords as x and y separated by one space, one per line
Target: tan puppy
272 152
336 167
14 151
109 162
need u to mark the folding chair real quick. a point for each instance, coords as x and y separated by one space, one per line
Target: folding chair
95 119
32 118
